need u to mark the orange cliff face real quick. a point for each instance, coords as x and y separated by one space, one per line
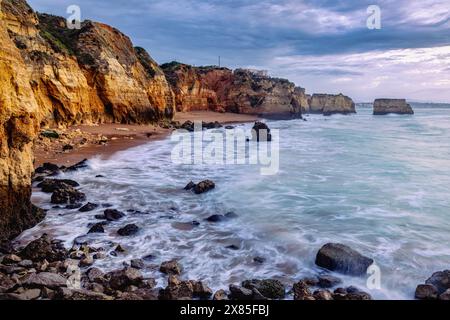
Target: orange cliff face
89 75
18 127
239 91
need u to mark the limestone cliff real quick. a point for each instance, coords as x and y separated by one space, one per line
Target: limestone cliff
18 125
387 106
239 91
328 104
89 75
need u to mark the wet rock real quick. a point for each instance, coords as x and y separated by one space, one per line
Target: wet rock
261 132
67 194
323 295
73 206
204 186
113 215
119 248
229 127
88 207
128 230
51 134
343 259
170 267
27 295
259 260
81 295
445 296
270 288
240 293
441 280
97 228
359 295
177 290
67 147
188 125
99 176
232 247
95 275
121 279
6 283
302 292
311 281
231 215
220 295
44 248
149 257
80 165
87 261
11 259
426 292
47 168
200 290
211 125
216 218
328 281
51 185
137 263
45 279
26 263
190 186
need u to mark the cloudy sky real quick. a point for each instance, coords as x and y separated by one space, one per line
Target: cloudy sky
322 45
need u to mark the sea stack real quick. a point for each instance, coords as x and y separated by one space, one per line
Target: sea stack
387 106
329 104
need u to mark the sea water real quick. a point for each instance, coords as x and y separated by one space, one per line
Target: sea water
379 184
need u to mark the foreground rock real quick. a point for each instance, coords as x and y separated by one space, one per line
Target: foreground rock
51 185
67 195
343 259
261 132
387 106
270 289
436 287
201 187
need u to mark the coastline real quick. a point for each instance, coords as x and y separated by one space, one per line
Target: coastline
104 140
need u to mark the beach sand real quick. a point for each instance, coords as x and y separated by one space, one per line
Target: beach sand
88 141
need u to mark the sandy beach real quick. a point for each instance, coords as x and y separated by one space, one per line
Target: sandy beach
104 140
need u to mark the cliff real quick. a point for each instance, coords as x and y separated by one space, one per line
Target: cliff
240 91
89 75
387 106
328 104
18 126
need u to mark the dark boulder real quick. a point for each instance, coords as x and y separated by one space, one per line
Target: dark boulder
170 267
261 132
426 292
441 280
51 185
67 195
328 281
343 259
88 207
240 293
44 249
216 218
112 215
121 279
177 290
302 292
47 168
204 186
80 165
190 186
128 230
97 228
188 125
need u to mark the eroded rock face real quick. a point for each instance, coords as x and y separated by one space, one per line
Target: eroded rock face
240 91
18 127
387 106
89 75
328 104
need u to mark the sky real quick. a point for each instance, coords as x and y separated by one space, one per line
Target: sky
324 46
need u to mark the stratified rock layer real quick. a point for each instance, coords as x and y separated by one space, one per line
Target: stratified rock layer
328 104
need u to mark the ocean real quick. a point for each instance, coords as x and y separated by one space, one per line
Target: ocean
379 184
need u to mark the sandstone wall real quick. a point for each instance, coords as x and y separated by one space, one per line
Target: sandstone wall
328 104
386 106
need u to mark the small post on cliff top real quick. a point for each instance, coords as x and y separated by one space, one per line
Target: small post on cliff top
219 61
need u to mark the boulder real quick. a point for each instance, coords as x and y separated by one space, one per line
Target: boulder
200 290
170 267
204 186
269 288
302 292
329 104
47 168
323 295
80 165
441 280
220 295
341 258
88 207
216 218
240 293
328 281
445 296
45 279
128 230
177 290
97 228
121 279
44 249
261 132
67 194
426 292
51 185
387 106
113 215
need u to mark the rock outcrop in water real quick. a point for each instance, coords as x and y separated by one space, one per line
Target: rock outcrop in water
328 104
387 106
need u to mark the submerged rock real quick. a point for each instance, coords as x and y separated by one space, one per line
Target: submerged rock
216 218
204 186
80 165
112 215
328 281
88 207
97 228
170 267
343 259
